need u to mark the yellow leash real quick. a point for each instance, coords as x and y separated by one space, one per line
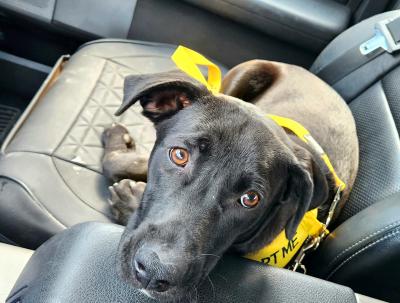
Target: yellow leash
188 60
310 231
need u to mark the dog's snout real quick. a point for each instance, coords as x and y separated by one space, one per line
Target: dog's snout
151 272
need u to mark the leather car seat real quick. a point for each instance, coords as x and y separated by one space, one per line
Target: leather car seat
363 251
12 261
50 166
51 175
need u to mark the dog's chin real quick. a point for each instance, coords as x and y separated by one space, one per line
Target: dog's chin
172 295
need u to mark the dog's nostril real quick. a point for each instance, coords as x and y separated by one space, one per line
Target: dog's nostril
140 266
161 285
142 278
150 272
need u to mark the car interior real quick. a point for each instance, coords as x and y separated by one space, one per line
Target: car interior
62 67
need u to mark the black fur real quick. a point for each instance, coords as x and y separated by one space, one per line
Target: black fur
191 215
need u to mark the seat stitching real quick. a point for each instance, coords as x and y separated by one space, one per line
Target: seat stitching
87 130
127 66
88 145
82 109
382 85
131 68
363 239
81 142
55 166
131 56
5 238
35 199
55 156
66 184
389 104
124 41
388 236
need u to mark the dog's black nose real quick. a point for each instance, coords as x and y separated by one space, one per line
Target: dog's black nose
151 273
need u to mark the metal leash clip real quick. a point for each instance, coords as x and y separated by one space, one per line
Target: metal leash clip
312 243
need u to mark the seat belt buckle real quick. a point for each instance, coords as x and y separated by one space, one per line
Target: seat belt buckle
381 39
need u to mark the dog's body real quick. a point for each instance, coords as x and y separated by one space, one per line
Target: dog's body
301 96
189 214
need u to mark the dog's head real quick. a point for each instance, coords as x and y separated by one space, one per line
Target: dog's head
221 175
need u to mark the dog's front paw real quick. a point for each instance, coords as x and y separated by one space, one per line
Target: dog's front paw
125 199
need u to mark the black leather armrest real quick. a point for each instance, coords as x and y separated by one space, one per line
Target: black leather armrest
364 252
308 23
78 265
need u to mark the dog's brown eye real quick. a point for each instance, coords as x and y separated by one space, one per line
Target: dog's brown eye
249 199
179 156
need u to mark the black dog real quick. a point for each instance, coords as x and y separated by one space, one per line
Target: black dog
221 175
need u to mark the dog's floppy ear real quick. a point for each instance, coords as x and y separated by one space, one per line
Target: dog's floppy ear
303 187
306 189
161 94
248 80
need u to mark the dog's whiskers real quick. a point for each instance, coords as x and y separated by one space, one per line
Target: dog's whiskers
211 255
223 277
196 295
212 285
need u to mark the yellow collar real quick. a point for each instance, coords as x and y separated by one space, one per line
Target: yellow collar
281 251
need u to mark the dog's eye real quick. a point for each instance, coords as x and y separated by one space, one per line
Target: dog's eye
249 199
179 156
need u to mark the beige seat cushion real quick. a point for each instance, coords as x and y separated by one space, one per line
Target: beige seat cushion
12 261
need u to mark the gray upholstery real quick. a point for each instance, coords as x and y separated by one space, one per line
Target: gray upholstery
50 171
12 262
363 252
396 4
376 112
83 17
307 23
88 16
372 93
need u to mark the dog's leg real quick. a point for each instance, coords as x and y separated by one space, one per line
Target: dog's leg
122 164
125 199
121 160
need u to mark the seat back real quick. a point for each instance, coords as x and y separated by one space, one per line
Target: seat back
362 252
373 96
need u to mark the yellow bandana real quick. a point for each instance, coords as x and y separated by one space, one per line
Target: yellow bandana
281 250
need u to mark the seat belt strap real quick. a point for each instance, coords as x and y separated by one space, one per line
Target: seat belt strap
386 39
